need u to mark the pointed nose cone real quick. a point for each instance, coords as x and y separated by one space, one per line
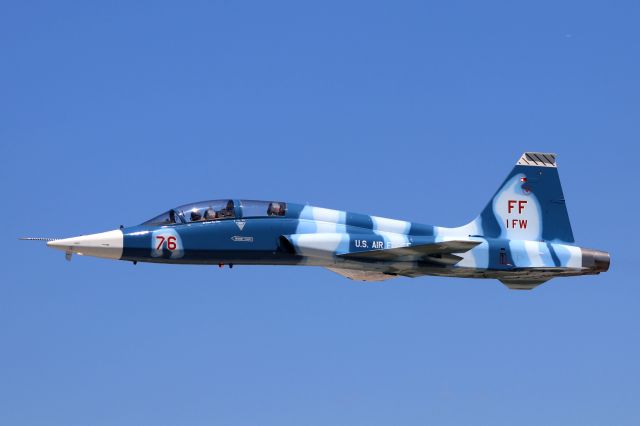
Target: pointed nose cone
105 244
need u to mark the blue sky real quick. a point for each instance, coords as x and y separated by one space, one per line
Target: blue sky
113 112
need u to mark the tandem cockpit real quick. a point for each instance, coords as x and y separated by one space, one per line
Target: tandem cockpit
205 211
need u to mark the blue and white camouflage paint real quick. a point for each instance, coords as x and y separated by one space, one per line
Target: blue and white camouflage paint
522 237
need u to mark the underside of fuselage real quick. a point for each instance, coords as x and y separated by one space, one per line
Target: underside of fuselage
517 278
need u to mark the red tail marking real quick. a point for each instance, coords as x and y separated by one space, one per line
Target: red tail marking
521 204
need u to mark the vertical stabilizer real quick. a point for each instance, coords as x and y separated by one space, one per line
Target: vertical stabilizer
529 205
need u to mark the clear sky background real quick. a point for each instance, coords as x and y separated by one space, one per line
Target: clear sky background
112 112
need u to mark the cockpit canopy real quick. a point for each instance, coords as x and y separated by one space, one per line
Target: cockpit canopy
217 210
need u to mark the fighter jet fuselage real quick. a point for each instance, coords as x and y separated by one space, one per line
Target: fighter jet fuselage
522 238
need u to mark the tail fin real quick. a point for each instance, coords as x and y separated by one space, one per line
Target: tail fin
529 205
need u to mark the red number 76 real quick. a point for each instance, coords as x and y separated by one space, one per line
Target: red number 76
171 242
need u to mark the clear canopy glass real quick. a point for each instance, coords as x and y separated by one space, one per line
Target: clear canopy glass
207 210
196 212
217 210
254 208
166 218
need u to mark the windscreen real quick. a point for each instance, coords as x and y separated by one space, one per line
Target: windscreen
167 218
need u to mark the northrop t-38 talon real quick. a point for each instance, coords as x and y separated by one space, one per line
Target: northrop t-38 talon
523 237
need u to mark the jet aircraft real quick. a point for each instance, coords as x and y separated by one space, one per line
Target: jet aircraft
523 237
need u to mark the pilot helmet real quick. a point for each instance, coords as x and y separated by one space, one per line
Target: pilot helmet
195 215
210 213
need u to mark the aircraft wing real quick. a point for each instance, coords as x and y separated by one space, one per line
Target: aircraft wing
359 275
442 252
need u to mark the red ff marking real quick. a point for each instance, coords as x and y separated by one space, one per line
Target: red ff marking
171 242
512 203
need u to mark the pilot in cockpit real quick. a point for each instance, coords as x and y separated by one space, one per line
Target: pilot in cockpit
275 209
227 211
195 215
209 214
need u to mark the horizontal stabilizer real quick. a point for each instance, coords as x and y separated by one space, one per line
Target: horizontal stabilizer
442 252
